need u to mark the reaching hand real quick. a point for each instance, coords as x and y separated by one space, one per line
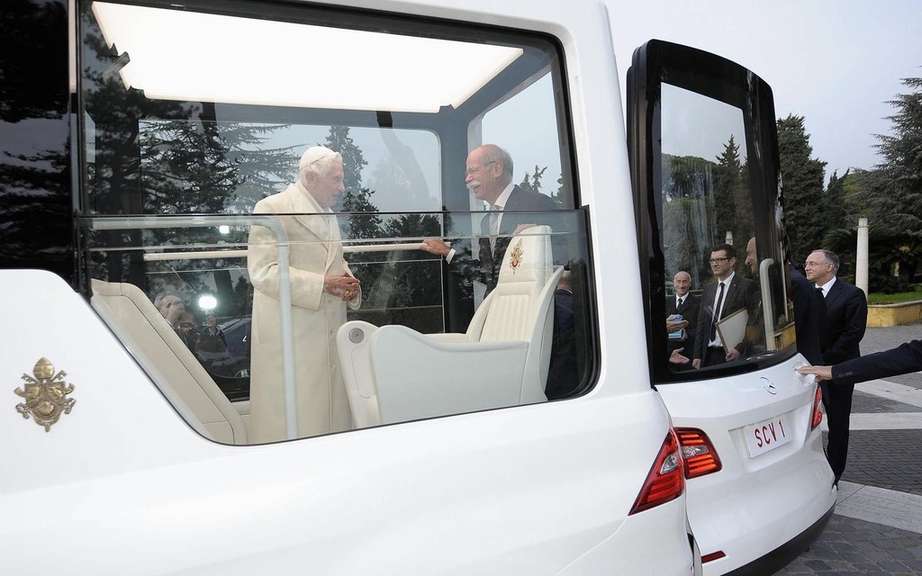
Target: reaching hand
677 358
733 354
821 372
436 246
696 363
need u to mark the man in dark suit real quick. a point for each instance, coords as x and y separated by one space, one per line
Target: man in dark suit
846 319
809 307
488 176
729 293
905 358
686 304
809 317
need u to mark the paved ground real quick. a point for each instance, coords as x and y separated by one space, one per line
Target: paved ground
863 403
877 339
877 527
850 546
886 458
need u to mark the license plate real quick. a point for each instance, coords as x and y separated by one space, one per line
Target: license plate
767 435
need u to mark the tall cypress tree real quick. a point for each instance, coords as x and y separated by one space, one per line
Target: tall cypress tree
730 197
901 206
802 186
895 204
365 221
835 209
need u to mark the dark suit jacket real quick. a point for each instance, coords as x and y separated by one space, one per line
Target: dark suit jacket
846 319
809 317
517 211
689 311
900 360
742 293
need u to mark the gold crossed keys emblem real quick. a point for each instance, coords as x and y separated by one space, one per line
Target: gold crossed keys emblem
45 395
515 259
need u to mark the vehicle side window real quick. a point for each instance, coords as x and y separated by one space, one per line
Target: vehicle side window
388 234
725 284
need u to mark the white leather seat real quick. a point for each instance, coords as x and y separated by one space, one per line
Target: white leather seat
395 374
167 360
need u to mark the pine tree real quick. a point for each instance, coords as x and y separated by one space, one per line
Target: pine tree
532 182
835 209
802 188
901 207
193 166
895 195
364 221
728 193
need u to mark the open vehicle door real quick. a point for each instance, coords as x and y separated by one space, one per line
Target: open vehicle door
704 160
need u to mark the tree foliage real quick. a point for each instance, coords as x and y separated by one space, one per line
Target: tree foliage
894 199
802 186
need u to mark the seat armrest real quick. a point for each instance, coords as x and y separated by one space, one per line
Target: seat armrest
449 337
352 345
418 376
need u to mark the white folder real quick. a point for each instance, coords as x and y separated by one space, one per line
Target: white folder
732 328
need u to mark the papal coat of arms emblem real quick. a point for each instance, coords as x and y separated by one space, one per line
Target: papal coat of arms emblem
515 258
45 395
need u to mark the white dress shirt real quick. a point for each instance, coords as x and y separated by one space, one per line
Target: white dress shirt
827 286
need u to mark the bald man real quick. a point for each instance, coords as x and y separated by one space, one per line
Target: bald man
488 176
685 303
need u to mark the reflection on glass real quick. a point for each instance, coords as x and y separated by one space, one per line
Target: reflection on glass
724 273
204 225
206 284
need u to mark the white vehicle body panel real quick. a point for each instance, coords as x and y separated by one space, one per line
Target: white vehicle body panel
122 484
753 505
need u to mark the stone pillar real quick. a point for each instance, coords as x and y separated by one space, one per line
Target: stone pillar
861 264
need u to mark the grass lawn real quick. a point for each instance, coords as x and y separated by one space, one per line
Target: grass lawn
895 298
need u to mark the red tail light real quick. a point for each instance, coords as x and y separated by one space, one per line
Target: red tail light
697 452
666 479
713 556
817 408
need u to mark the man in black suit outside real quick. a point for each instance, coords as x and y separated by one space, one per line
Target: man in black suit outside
686 304
905 358
488 176
809 307
846 319
729 293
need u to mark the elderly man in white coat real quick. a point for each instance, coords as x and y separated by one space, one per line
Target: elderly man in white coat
321 287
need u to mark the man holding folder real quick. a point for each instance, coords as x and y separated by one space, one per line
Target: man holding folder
729 294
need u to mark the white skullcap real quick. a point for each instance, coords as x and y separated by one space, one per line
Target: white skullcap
314 156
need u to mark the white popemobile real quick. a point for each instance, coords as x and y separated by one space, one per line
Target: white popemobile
515 409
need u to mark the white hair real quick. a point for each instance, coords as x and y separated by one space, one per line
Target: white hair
316 160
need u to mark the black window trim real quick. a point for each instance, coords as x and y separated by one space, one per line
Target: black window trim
653 64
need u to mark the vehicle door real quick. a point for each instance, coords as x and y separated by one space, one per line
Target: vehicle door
719 304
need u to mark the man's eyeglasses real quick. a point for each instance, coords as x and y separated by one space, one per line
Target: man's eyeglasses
468 171
716 260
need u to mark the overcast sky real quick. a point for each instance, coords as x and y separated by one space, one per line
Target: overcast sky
835 62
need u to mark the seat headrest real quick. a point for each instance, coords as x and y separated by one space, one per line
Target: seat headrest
528 257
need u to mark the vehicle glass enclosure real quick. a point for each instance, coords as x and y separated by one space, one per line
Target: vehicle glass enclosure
708 208
210 263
